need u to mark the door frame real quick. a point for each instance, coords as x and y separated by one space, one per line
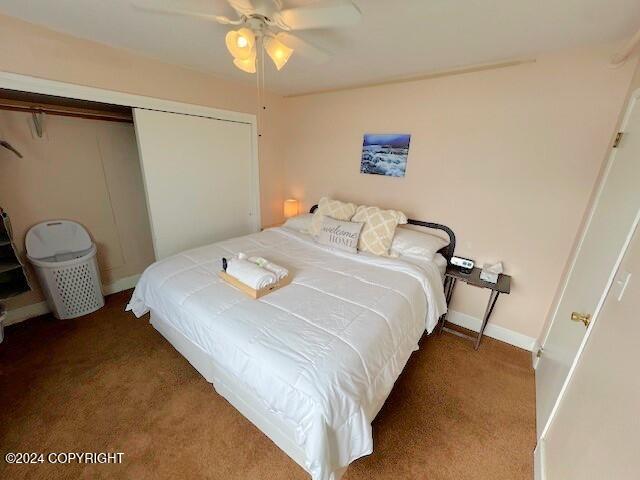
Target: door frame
539 471
25 83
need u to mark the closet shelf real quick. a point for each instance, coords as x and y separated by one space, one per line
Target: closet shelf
8 265
13 279
11 290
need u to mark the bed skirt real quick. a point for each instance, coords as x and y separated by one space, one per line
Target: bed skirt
237 394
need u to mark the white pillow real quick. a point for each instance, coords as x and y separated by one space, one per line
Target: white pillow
413 243
301 223
340 234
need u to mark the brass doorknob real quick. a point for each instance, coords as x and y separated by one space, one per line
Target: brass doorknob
581 317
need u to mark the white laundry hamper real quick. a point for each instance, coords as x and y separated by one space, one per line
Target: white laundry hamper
64 258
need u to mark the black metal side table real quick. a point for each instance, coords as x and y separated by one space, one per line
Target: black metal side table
452 275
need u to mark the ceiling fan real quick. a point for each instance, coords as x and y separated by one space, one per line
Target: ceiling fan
265 26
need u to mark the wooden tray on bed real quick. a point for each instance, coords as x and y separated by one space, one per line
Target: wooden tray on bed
253 293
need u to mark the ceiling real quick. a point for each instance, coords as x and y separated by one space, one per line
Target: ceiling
395 39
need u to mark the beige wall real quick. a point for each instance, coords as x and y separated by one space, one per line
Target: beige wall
82 170
507 158
635 85
36 51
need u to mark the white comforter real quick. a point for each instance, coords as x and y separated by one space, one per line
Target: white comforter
323 352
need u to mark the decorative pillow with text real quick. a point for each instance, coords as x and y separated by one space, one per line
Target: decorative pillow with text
340 234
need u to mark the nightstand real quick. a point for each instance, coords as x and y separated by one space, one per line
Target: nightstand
451 277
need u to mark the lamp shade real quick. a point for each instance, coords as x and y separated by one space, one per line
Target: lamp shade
278 52
290 208
241 43
248 65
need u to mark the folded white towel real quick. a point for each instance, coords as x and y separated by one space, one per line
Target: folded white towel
279 271
260 261
251 274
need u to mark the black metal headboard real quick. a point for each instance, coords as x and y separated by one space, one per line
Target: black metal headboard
447 252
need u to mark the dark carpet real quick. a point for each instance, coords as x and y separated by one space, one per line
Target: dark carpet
108 382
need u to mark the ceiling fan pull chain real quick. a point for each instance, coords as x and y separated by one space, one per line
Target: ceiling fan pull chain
264 74
258 116
260 80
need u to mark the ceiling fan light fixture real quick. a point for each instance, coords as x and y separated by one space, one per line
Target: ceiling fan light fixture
241 43
248 65
278 52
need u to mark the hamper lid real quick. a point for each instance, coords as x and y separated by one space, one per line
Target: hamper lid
56 237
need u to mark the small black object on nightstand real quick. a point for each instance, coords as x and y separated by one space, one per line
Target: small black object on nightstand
452 275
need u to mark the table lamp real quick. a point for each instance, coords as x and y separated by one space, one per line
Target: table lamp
290 208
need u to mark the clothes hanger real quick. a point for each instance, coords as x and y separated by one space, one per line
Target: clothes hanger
8 146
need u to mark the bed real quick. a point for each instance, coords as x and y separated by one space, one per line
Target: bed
312 363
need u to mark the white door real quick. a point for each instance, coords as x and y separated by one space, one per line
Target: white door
200 178
607 232
594 433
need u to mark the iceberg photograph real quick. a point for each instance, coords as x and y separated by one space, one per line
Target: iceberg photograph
385 154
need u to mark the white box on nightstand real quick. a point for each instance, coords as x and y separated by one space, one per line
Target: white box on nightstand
491 273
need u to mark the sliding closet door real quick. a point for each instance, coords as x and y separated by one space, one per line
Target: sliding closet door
200 179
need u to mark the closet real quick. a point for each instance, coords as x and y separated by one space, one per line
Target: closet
199 178
178 177
79 162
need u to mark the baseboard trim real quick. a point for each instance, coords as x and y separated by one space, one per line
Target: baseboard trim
121 284
538 467
21 314
494 331
534 353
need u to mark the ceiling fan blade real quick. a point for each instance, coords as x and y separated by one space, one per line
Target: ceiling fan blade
304 48
324 14
169 8
243 7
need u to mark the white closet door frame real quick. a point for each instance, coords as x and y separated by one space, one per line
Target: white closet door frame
25 83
